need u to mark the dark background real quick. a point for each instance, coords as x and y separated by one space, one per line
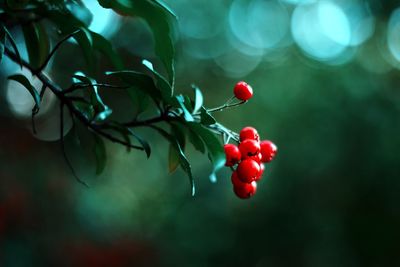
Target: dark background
325 78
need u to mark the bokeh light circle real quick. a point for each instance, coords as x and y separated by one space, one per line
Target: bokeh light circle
19 100
259 24
237 65
105 21
20 103
393 34
198 22
361 21
322 30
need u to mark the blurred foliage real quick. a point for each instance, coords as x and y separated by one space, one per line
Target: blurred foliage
330 198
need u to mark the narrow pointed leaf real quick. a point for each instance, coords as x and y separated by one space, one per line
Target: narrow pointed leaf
198 99
26 83
179 101
162 84
123 131
99 150
143 142
85 42
2 41
173 159
1 51
159 19
182 158
139 81
126 132
179 132
166 8
14 45
102 111
139 99
105 47
196 141
37 43
214 147
103 115
86 109
206 117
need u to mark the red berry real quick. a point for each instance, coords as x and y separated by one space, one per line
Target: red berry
245 191
257 157
249 133
262 168
248 170
268 150
249 148
232 154
235 179
243 91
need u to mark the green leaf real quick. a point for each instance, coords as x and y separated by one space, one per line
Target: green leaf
103 115
102 111
68 23
139 99
123 131
86 109
166 8
159 19
14 45
206 117
196 141
198 99
99 150
26 83
179 101
179 132
85 42
188 103
80 77
165 88
105 47
173 159
2 43
139 81
37 43
143 142
87 34
86 39
214 147
126 132
182 158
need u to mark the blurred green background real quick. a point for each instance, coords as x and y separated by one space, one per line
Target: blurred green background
325 76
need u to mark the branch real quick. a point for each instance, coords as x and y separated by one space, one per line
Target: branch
57 90
116 140
78 86
136 123
226 106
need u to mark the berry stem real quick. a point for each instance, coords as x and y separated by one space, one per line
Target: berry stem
225 106
221 129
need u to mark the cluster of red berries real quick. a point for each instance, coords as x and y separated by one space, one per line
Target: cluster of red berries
248 158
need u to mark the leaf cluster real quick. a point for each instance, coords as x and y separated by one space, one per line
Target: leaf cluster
184 117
